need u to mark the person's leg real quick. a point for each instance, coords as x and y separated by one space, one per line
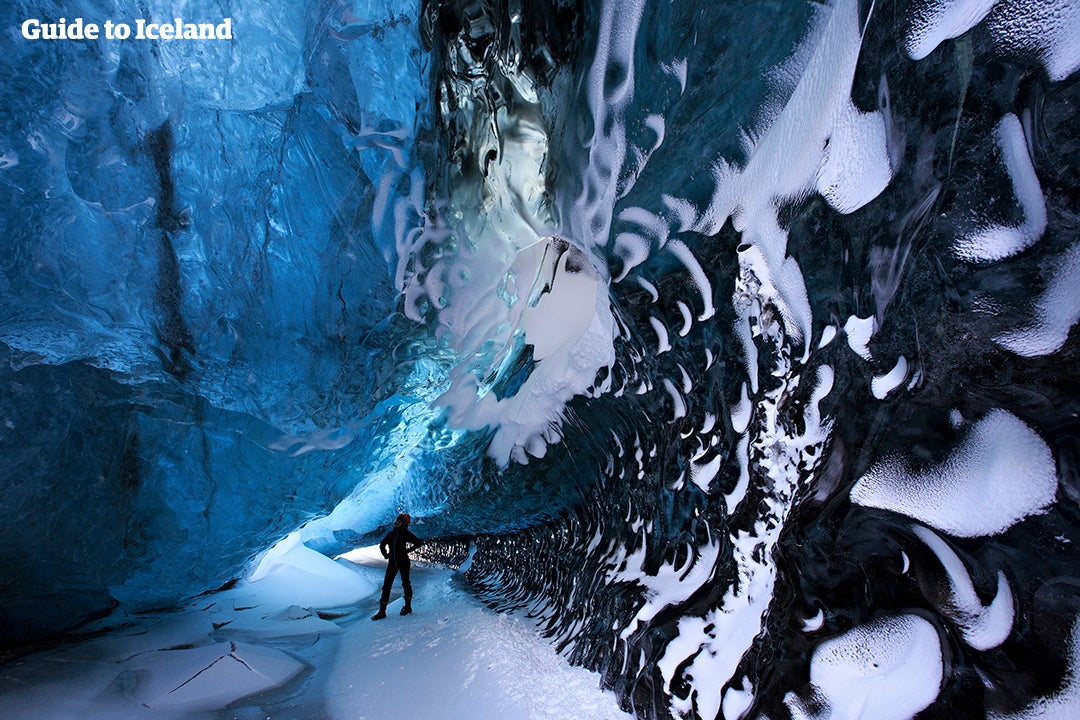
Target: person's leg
388 582
406 585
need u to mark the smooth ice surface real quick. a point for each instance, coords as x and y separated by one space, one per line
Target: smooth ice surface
1062 705
452 658
209 677
999 474
170 668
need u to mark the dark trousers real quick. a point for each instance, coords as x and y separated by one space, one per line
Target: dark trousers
393 569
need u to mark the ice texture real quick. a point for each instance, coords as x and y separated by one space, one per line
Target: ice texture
209 677
1001 473
1060 705
983 628
191 263
237 653
844 179
563 280
995 243
889 669
934 21
882 385
1056 311
1048 29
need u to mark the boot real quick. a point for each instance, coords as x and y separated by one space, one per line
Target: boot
407 609
381 614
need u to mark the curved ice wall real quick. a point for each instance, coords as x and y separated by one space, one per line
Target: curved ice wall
828 447
199 339
730 340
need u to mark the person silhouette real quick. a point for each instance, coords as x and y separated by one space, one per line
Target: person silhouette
396 547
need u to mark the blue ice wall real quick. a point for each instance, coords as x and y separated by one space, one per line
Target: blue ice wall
197 262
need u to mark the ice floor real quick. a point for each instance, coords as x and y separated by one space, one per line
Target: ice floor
288 647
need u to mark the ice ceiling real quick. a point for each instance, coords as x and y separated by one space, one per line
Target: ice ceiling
732 340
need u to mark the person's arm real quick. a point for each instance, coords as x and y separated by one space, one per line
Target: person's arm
417 542
384 546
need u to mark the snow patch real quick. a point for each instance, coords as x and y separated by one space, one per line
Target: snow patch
737 701
855 166
1056 311
827 336
560 317
702 474
290 573
1001 473
662 342
816 141
998 242
715 644
676 399
859 331
882 385
934 22
813 624
1049 29
888 669
983 628
671 585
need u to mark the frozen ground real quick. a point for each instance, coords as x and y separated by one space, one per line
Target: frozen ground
249 653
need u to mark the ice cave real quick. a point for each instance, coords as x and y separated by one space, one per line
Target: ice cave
722 352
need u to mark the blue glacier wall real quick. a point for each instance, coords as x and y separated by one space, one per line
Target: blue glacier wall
734 343
197 291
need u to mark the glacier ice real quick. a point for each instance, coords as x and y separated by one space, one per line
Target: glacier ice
564 280
1001 473
889 669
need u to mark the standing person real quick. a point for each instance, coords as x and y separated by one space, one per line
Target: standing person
396 547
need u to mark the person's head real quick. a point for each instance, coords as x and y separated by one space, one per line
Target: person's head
403 520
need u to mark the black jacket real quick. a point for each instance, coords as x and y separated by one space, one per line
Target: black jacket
397 545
